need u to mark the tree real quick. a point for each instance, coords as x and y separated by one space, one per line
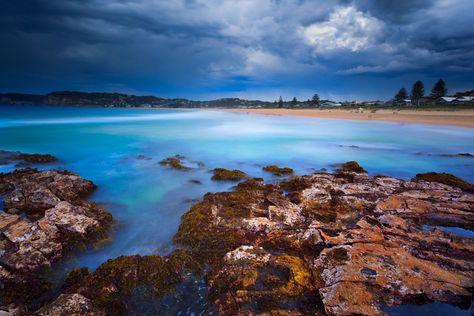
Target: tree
417 92
280 102
401 95
439 90
294 102
315 100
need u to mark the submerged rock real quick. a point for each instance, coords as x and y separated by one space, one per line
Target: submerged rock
278 171
44 218
174 163
463 155
221 174
22 159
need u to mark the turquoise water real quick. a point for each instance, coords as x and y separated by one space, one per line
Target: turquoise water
148 199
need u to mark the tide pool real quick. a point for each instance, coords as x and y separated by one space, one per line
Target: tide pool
147 199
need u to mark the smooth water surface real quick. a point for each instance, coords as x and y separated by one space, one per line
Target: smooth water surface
148 199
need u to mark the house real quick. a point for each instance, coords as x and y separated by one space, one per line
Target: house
465 99
444 100
329 103
455 100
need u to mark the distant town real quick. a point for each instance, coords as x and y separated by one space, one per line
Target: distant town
438 97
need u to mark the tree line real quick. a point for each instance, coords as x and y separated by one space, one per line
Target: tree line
418 92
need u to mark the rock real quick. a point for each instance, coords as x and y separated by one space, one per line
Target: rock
221 174
386 274
33 191
250 276
351 166
320 244
143 157
70 304
22 159
112 288
278 171
445 178
174 163
357 242
463 155
46 219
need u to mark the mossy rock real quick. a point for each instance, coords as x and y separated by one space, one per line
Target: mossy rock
198 230
351 166
207 241
74 279
175 163
445 178
115 282
222 174
278 171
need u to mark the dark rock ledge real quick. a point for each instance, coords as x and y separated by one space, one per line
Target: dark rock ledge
44 218
321 244
23 160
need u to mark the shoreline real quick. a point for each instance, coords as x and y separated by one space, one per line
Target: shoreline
460 118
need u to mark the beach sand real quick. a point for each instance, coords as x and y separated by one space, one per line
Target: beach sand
463 118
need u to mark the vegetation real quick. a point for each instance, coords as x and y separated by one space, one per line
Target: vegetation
417 92
401 96
73 98
439 90
315 100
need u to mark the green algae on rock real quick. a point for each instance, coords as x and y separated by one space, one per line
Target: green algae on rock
175 163
351 166
222 174
113 287
278 171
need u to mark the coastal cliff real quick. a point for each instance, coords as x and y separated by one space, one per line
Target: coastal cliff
119 100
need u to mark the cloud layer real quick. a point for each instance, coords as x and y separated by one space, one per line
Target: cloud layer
247 48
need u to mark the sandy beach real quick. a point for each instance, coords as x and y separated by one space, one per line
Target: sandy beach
463 118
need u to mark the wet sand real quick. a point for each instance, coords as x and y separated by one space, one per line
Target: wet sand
463 118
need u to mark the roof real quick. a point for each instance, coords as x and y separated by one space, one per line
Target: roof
448 99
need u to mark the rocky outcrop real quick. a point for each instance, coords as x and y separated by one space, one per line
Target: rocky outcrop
447 179
321 244
343 243
44 218
113 288
222 174
22 159
179 162
278 171
174 163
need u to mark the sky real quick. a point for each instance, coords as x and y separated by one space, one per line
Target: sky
253 49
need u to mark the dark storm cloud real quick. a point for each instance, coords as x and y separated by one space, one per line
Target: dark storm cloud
207 48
